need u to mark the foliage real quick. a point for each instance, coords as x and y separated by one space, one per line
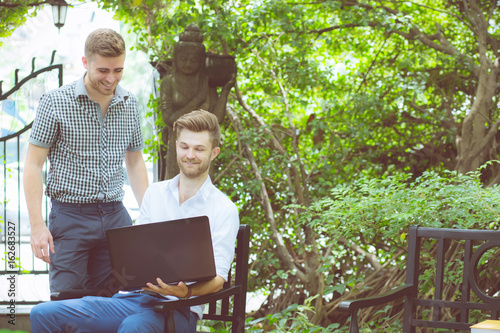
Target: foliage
294 318
13 13
451 200
330 92
153 142
364 224
379 100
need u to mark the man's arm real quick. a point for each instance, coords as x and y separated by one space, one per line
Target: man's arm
41 239
137 174
182 290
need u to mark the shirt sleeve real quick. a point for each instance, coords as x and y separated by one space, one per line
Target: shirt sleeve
224 239
45 126
137 141
145 210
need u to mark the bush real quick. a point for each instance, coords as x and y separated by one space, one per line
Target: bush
362 229
388 206
294 319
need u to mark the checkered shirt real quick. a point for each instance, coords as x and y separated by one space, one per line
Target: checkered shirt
86 151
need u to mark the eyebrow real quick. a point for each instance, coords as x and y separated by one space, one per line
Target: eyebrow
105 68
187 144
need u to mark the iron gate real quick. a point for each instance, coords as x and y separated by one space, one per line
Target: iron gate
24 279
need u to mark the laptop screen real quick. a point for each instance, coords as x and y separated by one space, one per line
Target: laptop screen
175 250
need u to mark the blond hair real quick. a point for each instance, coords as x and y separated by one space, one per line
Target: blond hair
199 121
104 42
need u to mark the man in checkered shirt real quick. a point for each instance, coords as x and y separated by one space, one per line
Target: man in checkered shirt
86 129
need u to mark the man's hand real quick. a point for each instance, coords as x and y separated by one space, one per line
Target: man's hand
180 290
41 242
41 239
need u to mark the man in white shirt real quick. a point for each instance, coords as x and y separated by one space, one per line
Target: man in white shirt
191 193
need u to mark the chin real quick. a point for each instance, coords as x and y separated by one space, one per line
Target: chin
107 90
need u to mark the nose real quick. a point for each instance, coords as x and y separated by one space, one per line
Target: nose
110 78
190 154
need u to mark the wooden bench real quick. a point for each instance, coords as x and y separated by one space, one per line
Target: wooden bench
227 305
425 312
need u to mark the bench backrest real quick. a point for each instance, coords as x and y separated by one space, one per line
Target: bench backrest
221 310
473 244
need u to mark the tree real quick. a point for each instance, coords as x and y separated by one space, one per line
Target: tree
327 92
459 61
13 14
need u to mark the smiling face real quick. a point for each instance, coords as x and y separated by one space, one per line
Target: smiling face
103 75
194 153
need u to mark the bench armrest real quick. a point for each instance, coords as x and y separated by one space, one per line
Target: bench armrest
161 306
391 295
170 305
354 305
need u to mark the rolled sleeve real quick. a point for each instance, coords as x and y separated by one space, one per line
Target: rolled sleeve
224 232
45 126
137 141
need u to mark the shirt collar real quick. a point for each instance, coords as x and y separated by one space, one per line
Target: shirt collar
205 188
80 87
203 192
121 94
80 90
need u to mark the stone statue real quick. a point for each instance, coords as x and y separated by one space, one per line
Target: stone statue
191 84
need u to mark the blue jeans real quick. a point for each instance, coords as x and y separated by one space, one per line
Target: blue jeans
81 259
120 313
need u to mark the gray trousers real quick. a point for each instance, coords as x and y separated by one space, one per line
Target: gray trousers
81 259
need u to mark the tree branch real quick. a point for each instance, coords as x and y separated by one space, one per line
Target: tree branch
33 4
277 237
371 258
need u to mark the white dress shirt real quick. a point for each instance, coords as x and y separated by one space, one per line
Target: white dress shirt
161 203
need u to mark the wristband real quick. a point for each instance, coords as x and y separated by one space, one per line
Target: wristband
188 294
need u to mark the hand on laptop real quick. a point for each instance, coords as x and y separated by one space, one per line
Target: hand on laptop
180 289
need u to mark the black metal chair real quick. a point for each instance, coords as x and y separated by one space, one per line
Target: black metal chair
227 305
414 304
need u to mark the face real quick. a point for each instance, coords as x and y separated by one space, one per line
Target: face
194 153
188 63
103 74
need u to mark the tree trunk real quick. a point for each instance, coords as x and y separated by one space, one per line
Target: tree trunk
478 129
478 132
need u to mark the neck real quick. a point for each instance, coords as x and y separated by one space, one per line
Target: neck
188 187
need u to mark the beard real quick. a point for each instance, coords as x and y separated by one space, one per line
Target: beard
194 170
100 86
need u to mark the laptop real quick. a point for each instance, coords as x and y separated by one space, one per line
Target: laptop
175 250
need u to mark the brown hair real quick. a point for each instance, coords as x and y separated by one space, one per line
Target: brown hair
104 42
199 121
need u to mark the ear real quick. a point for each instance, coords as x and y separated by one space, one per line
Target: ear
85 63
215 152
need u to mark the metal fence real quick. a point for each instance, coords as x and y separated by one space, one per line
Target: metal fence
23 278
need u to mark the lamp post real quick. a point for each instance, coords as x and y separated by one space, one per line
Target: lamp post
59 9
